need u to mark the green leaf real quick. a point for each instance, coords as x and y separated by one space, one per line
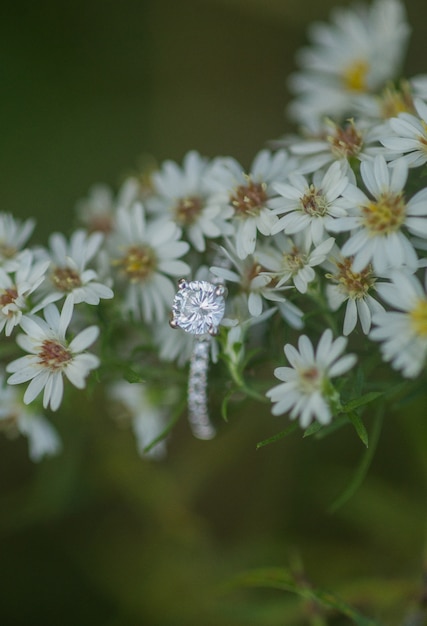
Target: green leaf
312 429
364 464
358 402
283 579
359 427
280 435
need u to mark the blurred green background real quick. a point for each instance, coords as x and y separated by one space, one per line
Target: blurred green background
99 536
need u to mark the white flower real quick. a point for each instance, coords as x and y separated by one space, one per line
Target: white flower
181 194
254 286
403 332
146 253
409 136
15 293
97 210
248 194
358 53
15 419
132 401
306 391
377 236
356 289
291 259
51 356
14 234
330 142
69 275
310 208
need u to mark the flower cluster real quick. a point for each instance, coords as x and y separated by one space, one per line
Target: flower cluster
326 231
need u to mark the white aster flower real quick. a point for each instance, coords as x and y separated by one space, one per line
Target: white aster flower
69 275
255 287
310 207
146 254
15 292
248 194
97 210
403 332
51 355
14 234
377 225
358 53
131 401
306 391
16 419
181 194
330 142
290 259
409 136
355 288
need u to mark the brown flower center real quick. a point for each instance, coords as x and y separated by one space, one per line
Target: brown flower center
8 296
345 141
187 210
249 199
53 355
65 279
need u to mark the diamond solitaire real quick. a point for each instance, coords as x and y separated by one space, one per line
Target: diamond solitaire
198 307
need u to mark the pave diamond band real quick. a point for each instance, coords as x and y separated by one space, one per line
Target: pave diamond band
198 415
198 309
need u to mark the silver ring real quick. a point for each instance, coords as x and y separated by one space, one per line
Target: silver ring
198 309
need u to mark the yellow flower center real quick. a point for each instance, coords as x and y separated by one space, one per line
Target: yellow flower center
293 261
314 203
354 76
395 101
353 284
249 199
138 263
385 215
419 318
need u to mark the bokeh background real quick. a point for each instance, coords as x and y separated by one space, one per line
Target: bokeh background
99 536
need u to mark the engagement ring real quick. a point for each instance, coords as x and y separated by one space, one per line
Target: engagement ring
198 309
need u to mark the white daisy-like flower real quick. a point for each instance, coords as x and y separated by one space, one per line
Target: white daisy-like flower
358 53
69 275
310 207
146 254
15 292
256 287
409 138
51 355
306 391
377 224
14 234
403 332
291 259
248 194
131 401
355 288
181 194
331 142
16 419
97 210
